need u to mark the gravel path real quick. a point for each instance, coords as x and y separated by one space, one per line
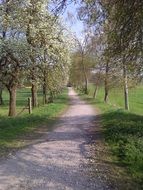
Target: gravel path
60 161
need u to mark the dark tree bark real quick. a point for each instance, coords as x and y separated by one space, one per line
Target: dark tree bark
34 86
45 97
85 76
12 101
86 85
34 96
106 83
1 98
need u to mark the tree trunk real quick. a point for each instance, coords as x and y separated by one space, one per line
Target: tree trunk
85 76
96 87
106 83
126 96
1 99
86 85
95 91
12 101
34 96
45 98
51 98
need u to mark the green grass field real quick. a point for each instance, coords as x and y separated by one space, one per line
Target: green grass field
14 132
123 130
22 100
116 98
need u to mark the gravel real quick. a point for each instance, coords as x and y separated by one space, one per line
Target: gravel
60 161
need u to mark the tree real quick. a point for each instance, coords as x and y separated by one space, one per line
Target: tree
125 18
124 34
84 59
12 48
31 40
1 98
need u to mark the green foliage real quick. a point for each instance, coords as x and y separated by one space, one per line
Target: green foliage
34 47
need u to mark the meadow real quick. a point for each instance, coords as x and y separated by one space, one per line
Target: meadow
116 98
123 130
19 131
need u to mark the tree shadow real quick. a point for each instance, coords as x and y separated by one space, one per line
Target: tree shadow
46 162
83 130
124 133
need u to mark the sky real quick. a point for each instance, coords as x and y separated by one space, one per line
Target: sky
70 17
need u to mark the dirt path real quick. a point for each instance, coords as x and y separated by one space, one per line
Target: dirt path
61 161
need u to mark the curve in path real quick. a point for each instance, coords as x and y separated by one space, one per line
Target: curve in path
60 161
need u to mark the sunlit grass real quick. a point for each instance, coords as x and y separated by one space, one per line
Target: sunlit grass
116 98
123 130
13 131
22 100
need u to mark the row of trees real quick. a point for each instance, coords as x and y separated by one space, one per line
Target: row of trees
115 43
34 47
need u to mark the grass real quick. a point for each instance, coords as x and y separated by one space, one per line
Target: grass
123 130
22 100
14 131
116 98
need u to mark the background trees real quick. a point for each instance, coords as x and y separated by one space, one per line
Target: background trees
118 24
33 45
123 38
82 63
